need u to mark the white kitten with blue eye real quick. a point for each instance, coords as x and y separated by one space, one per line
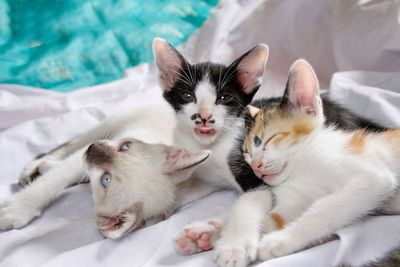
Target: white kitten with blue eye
126 194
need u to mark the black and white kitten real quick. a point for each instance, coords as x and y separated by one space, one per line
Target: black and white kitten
209 100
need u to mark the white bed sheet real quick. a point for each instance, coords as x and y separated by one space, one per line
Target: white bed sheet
332 35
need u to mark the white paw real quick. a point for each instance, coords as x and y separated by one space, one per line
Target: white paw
34 169
236 251
197 237
17 213
275 245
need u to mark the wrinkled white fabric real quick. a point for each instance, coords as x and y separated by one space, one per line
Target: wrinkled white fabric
359 37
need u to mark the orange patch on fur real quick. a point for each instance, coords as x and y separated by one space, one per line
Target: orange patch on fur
303 129
392 133
300 130
279 138
278 220
357 142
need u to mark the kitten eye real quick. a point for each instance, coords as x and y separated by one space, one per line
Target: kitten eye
188 97
257 141
224 99
105 179
124 147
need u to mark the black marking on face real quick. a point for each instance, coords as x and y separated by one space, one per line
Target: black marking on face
98 153
257 141
228 91
195 116
199 120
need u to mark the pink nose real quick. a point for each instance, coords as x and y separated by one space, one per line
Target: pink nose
256 165
205 116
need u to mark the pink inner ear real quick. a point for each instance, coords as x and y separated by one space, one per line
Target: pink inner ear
248 81
167 62
174 155
303 87
251 68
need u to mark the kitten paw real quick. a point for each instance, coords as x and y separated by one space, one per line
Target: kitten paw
235 251
34 169
16 213
197 237
275 245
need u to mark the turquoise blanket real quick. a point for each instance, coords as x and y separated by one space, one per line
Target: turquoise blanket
64 45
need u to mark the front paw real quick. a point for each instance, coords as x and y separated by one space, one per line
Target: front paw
275 245
197 237
16 213
236 251
34 169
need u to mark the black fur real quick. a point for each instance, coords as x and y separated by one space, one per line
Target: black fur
334 113
223 78
392 259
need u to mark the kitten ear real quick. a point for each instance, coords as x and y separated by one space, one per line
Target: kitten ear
253 110
180 164
302 90
168 61
250 68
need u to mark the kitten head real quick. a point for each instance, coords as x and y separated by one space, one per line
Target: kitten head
208 97
277 130
133 181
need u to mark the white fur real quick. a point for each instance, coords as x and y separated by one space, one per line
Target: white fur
64 168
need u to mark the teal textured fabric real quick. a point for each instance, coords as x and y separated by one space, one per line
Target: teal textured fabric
64 45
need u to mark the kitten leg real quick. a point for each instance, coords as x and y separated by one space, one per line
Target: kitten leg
29 203
239 237
358 197
198 236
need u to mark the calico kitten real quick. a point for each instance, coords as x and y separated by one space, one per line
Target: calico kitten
321 178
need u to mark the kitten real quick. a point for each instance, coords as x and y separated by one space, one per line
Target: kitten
209 102
117 171
320 178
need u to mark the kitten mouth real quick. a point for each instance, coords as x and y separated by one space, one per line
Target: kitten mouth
268 176
204 130
119 225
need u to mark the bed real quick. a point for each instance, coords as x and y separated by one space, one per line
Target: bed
354 47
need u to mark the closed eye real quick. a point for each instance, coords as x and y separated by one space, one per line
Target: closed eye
270 139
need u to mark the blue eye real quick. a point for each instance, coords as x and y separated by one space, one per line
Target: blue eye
257 141
125 146
105 179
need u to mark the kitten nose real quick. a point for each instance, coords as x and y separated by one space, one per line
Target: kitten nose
98 153
205 116
256 165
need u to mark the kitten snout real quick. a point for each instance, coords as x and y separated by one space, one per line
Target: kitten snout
203 118
99 153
